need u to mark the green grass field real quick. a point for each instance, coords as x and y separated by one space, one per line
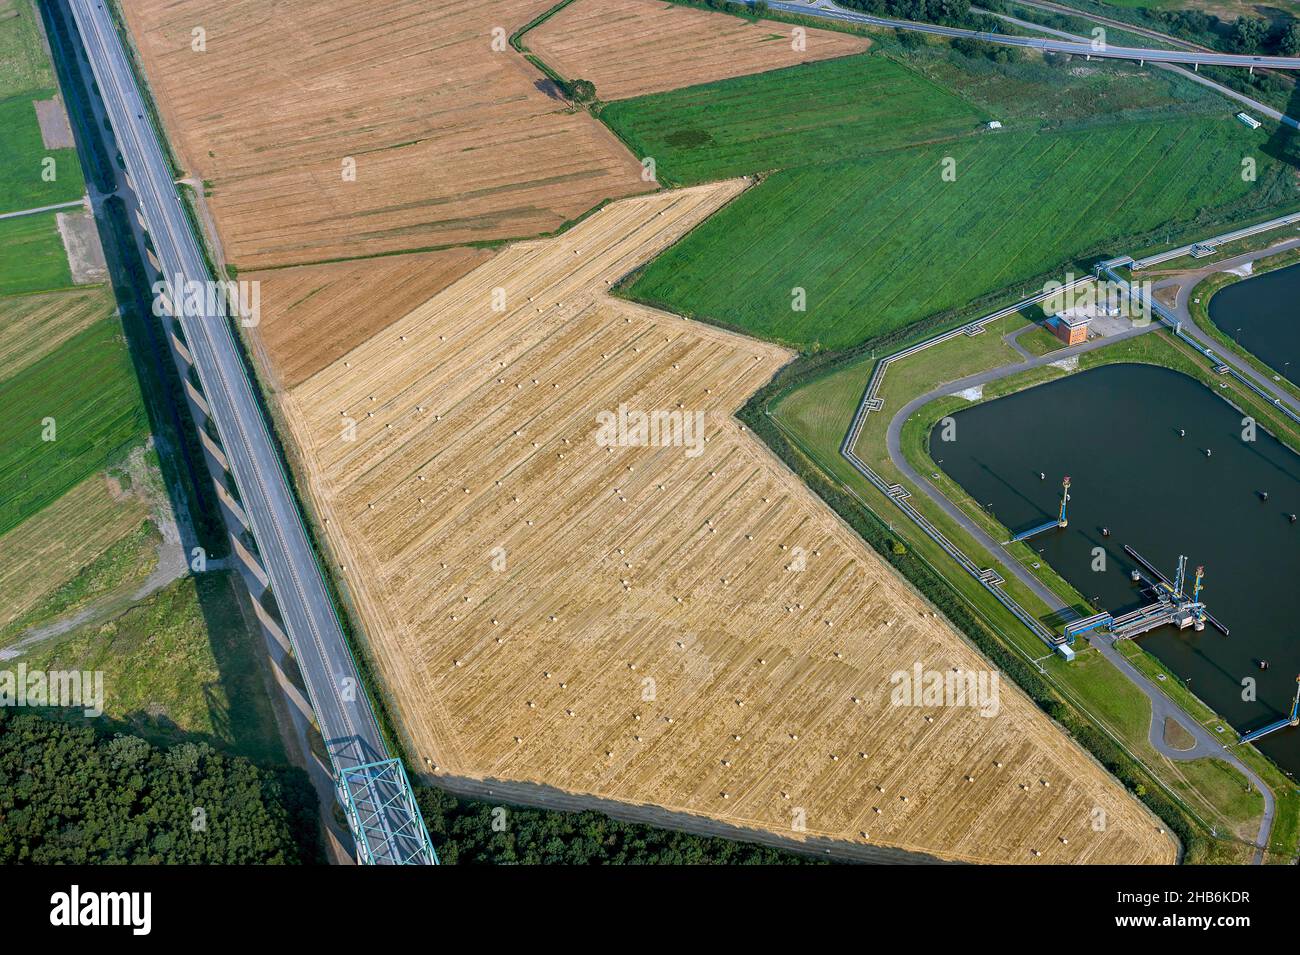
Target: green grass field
89 387
26 75
881 242
820 112
23 157
23 63
179 665
32 257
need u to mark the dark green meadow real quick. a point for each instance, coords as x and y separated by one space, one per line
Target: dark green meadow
817 113
881 242
89 388
854 220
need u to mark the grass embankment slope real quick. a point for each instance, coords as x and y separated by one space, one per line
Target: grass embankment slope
1199 306
177 666
815 417
890 204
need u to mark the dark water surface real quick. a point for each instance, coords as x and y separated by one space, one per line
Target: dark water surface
1267 311
1114 430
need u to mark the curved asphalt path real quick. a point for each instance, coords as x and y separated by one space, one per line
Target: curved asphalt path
827 10
1162 707
1187 283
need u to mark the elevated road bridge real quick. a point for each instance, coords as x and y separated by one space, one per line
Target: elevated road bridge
1195 58
385 821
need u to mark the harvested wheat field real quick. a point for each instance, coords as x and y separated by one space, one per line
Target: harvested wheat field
47 550
633 622
312 314
453 141
32 326
632 47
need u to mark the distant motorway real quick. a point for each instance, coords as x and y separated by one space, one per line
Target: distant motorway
1262 109
828 10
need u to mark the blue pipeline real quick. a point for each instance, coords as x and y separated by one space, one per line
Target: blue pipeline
1280 724
1035 530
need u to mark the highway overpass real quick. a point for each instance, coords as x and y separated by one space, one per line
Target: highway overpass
827 10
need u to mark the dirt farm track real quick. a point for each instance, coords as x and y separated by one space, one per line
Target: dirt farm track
453 141
633 622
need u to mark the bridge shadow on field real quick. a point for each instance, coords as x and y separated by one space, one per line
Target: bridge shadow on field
236 699
1284 144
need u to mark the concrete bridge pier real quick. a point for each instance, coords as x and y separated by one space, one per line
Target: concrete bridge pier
340 845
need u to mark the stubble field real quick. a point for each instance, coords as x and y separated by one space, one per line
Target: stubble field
646 624
453 141
631 47
312 314
48 550
73 411
35 325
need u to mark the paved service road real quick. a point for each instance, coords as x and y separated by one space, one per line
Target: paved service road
894 445
1187 284
827 10
334 687
1207 743
32 212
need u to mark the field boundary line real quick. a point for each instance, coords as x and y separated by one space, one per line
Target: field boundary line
1009 643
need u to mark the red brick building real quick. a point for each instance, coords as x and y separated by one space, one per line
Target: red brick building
1069 327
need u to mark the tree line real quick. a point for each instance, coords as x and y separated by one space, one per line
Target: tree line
1251 35
469 832
71 793
953 13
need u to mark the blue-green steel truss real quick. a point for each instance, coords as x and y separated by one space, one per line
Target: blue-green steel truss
385 820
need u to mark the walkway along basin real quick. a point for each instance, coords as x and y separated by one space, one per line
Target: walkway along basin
1115 431
1267 310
